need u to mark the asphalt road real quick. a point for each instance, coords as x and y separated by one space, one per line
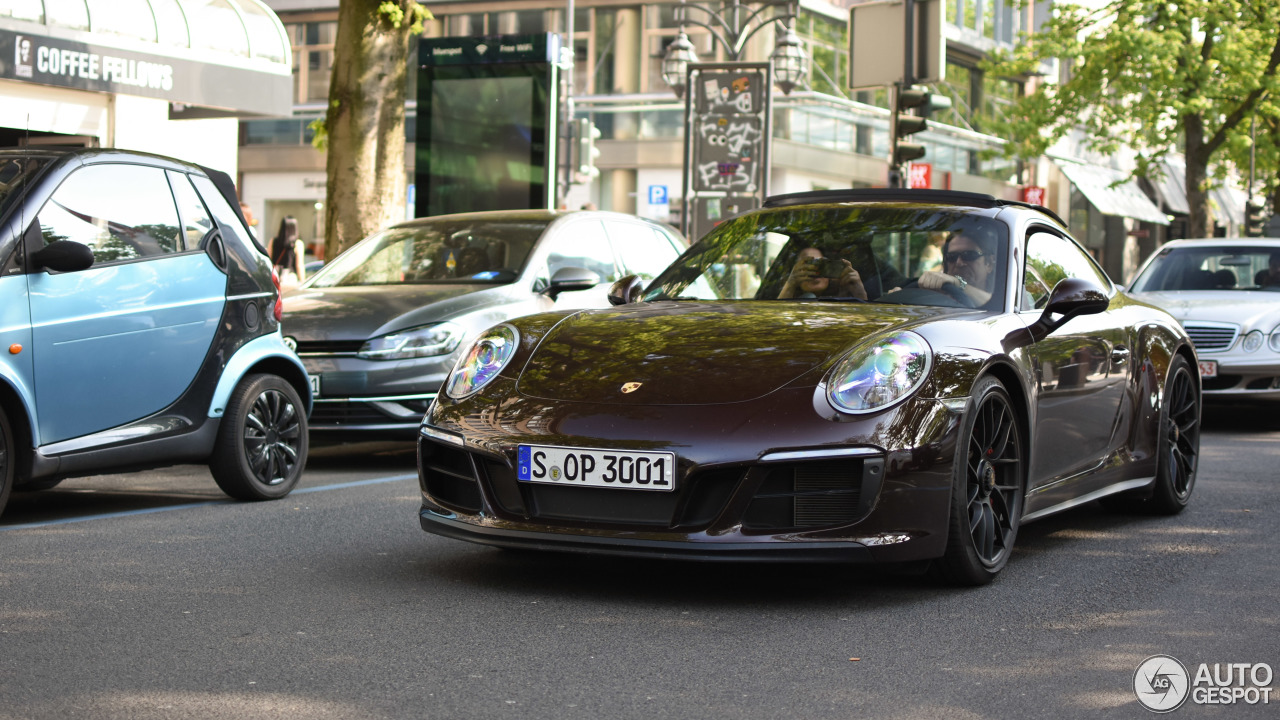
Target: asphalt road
151 596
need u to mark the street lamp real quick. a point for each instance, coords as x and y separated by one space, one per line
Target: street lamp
790 63
732 30
676 62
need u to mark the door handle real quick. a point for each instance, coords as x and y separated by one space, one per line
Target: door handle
1119 355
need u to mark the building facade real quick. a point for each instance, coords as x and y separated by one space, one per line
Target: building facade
824 134
171 77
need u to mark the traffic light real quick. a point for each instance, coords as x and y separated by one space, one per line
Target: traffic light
925 103
1253 217
587 150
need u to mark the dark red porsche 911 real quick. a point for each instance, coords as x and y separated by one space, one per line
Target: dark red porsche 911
878 375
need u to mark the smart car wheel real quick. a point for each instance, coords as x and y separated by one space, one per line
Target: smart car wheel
6 459
262 443
987 490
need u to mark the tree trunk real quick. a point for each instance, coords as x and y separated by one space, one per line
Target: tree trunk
1197 178
364 167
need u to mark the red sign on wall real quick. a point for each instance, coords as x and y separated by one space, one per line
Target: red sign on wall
1034 195
920 175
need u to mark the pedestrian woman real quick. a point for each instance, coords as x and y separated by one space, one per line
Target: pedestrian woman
285 254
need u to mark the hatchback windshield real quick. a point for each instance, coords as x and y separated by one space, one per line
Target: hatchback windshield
846 253
15 173
1212 267
438 252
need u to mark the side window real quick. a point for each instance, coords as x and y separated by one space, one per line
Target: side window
643 250
582 244
1051 259
196 222
121 212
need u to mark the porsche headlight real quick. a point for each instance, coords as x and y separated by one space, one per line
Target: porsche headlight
879 375
1252 341
425 341
483 361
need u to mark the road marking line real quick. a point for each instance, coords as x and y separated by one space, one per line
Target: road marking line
188 506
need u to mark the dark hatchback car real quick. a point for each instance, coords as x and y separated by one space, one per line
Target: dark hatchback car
380 326
889 376
141 323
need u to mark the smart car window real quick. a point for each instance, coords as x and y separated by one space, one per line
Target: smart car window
196 221
875 254
644 251
16 173
445 252
120 211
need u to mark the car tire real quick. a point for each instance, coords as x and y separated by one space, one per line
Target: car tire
988 487
1177 450
262 443
7 459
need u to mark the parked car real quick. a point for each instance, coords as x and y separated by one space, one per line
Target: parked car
1226 293
142 326
380 326
785 390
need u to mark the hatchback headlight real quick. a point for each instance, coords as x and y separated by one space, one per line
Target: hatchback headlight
876 376
483 361
425 341
1252 341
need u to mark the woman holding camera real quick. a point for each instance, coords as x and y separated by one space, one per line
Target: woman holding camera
816 276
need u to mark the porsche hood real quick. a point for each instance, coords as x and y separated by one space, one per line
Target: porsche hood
690 353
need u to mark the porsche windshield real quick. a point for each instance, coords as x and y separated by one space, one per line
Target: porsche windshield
889 254
449 252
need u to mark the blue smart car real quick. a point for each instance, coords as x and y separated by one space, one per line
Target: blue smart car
139 327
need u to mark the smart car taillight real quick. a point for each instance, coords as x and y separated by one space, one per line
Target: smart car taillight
279 309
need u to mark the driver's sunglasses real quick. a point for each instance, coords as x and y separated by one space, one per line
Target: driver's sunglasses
965 255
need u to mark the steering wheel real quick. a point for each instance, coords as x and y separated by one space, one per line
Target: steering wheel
911 291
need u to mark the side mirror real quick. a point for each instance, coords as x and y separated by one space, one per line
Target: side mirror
1070 297
63 256
571 278
626 291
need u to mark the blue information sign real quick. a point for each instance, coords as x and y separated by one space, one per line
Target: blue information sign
658 195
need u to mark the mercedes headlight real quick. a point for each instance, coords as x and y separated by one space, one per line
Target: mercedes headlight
876 376
1274 341
1252 341
425 341
483 361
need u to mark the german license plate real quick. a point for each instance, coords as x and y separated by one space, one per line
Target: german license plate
315 385
593 467
1208 368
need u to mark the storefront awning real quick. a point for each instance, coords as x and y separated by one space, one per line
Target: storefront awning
1228 202
1112 192
208 58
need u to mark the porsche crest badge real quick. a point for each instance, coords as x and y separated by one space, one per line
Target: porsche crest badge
631 387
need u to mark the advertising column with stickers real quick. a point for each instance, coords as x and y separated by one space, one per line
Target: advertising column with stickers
727 134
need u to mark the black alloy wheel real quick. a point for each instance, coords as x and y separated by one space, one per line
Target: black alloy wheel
1179 450
987 494
262 443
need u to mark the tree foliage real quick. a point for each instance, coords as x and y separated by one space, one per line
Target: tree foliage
363 130
1156 76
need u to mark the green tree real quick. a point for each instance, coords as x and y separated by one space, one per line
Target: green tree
364 126
1154 75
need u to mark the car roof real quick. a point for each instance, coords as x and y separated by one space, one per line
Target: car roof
1222 241
956 198
89 155
535 215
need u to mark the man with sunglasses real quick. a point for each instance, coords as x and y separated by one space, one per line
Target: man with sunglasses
968 263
